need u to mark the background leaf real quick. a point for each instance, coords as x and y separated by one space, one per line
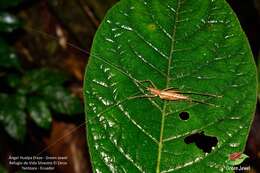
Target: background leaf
6 3
8 22
190 45
8 58
12 116
39 112
62 101
39 79
13 80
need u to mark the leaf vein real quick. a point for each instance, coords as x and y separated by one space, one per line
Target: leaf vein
120 107
160 146
141 57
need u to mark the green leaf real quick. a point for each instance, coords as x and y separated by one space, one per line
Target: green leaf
38 79
193 46
8 22
3 98
61 101
7 3
12 115
8 58
39 112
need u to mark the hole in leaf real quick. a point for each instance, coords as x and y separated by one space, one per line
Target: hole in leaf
202 141
184 115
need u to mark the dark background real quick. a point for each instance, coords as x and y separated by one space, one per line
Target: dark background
78 21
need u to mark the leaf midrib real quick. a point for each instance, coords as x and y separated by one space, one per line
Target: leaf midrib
167 85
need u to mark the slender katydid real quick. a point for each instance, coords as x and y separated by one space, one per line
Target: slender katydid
171 94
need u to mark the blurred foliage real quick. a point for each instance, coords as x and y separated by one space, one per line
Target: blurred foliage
88 13
258 72
8 22
7 3
100 7
8 58
35 92
2 169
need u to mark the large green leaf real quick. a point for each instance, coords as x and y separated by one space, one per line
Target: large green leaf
191 45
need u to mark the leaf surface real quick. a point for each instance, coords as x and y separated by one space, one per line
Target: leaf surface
192 46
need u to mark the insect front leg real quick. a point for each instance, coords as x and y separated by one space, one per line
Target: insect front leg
172 88
147 81
142 96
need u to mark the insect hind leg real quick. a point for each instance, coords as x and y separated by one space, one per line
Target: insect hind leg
191 92
202 94
202 102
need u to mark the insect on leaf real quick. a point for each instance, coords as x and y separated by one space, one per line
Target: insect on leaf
193 46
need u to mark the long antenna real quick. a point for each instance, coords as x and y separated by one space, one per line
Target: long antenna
61 138
77 48
57 39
